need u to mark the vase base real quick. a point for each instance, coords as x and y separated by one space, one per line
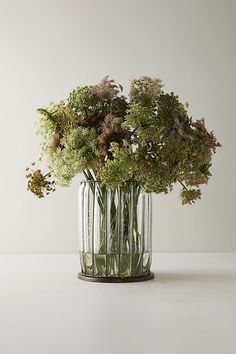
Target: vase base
116 279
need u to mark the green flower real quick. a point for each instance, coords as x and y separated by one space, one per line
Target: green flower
149 138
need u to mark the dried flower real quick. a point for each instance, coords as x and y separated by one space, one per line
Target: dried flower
112 132
149 138
190 196
39 183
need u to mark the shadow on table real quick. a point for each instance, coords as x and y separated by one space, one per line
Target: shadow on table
190 276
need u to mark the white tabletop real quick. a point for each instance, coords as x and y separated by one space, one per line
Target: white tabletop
190 307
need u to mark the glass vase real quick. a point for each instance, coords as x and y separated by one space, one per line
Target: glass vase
115 232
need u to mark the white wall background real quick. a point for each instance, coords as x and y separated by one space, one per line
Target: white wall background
49 47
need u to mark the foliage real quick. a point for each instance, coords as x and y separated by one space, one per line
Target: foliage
149 138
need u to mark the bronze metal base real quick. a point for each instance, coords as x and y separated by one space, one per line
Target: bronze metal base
116 279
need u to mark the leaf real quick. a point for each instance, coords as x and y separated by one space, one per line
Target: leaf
120 87
47 113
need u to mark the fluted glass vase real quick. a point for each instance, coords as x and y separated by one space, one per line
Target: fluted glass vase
115 232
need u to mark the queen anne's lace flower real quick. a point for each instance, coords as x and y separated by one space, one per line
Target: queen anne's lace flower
149 138
39 183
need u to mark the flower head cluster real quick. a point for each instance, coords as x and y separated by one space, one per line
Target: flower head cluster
190 196
39 183
112 132
148 138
